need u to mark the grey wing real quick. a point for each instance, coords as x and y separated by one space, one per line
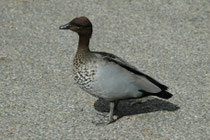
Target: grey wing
124 71
132 69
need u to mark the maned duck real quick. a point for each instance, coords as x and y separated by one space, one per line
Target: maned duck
107 76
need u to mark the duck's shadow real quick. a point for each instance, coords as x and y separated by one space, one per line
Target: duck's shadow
126 109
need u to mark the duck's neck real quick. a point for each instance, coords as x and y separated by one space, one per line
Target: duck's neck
83 45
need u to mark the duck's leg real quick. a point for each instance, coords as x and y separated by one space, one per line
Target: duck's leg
112 105
107 113
111 112
113 108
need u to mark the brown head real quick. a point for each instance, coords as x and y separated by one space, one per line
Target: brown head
81 25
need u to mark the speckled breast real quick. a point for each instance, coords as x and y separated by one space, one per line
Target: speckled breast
84 75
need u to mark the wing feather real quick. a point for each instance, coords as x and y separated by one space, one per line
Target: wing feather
117 60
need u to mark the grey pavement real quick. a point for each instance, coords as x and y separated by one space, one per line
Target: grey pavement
168 40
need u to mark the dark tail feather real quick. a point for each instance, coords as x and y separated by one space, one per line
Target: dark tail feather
163 94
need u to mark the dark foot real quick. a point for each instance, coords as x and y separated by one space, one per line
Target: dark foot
140 100
104 114
133 103
103 122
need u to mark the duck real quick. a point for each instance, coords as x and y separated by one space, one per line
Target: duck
107 76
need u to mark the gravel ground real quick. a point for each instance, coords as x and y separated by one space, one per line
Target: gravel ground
168 40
